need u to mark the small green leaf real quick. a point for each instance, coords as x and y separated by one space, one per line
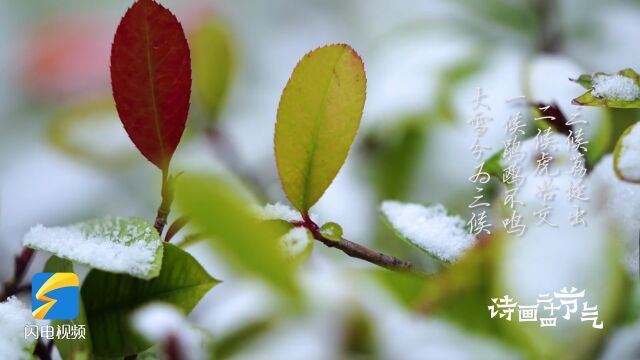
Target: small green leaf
318 117
584 80
110 299
70 349
331 231
219 213
119 245
213 65
625 161
621 90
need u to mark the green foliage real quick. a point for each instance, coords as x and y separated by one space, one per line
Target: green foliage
69 349
592 98
127 232
231 343
318 117
634 303
461 292
331 231
219 213
386 221
601 141
617 151
394 151
110 299
213 65
608 283
405 287
450 80
66 129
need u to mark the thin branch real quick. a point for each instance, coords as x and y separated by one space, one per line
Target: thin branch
359 251
12 286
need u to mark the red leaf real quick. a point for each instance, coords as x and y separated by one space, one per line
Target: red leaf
151 79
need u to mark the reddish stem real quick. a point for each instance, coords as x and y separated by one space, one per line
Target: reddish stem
356 250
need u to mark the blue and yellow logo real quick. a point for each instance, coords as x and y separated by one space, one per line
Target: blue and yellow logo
55 296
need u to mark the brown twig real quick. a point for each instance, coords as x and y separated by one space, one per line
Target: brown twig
12 286
358 251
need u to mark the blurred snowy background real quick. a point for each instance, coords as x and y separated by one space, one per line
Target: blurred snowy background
61 163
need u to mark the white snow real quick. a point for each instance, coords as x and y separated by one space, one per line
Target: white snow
14 316
615 87
620 201
112 244
295 242
277 211
429 228
160 322
280 211
628 161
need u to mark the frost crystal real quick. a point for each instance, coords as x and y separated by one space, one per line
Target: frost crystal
615 87
429 228
112 244
160 322
14 316
628 161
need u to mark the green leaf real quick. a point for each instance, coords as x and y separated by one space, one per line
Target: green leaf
621 145
70 349
213 65
119 245
331 231
318 117
621 90
110 299
219 213
600 142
